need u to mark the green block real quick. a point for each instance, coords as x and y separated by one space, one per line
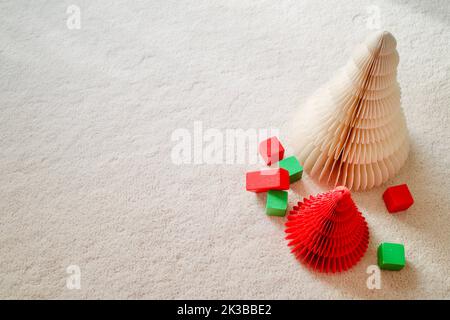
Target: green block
292 165
391 256
277 202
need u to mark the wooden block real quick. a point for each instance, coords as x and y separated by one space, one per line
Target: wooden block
391 256
398 198
277 203
265 180
271 150
294 168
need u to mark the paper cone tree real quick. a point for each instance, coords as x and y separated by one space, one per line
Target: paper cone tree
352 131
327 232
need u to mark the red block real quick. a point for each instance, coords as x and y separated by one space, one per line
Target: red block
271 150
398 198
265 180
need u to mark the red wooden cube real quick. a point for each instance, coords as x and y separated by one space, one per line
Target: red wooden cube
265 180
398 198
271 150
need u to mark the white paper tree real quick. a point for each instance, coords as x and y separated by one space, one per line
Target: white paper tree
352 131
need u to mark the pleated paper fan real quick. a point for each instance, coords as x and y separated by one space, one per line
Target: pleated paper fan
352 131
327 231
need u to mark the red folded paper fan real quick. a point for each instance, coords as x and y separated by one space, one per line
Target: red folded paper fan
327 231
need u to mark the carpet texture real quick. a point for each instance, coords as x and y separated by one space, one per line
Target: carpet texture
87 116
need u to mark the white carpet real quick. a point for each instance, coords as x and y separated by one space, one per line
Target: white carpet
86 118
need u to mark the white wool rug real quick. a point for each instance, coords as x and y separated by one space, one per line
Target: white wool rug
89 179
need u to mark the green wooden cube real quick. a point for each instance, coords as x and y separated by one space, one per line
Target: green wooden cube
277 202
391 256
292 165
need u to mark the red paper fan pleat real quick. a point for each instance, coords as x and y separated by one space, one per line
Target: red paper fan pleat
327 231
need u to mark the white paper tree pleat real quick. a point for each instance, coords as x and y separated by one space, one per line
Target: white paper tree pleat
352 131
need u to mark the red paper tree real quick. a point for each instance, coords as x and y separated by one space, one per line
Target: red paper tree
327 231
